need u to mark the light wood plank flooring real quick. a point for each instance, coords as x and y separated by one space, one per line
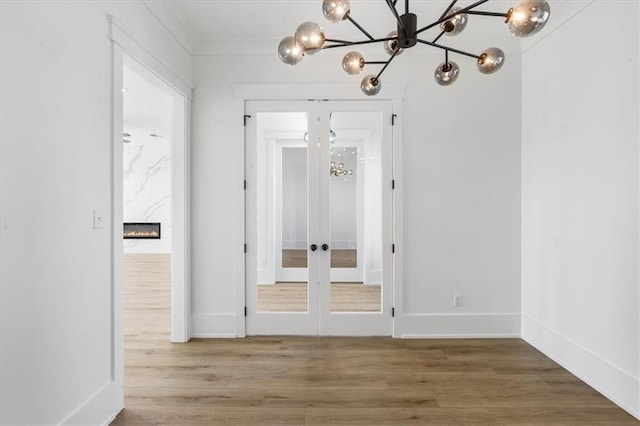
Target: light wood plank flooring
345 297
293 258
331 380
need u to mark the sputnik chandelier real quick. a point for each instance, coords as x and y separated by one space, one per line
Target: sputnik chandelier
524 19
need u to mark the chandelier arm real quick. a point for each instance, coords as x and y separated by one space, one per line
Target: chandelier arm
375 62
453 3
406 6
478 12
395 52
334 40
395 14
446 18
358 26
438 38
354 43
449 49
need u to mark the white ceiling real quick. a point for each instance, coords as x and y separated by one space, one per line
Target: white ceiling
268 19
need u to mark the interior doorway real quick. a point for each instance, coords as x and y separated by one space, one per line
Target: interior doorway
151 172
319 218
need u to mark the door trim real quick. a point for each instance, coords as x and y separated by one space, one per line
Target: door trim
127 51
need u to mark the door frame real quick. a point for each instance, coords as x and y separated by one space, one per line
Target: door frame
281 92
127 51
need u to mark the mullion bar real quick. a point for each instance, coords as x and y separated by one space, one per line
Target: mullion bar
354 43
353 21
395 14
446 18
451 49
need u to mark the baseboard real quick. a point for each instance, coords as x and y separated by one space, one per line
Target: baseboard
213 326
457 326
101 408
621 387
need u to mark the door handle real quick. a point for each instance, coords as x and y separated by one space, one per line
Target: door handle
325 247
313 247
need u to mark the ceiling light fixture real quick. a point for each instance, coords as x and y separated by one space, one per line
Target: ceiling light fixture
524 19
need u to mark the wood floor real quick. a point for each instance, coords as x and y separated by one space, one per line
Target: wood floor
330 380
292 258
293 297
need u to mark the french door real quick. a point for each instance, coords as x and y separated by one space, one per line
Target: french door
319 217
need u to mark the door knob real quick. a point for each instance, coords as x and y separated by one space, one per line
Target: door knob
325 247
313 247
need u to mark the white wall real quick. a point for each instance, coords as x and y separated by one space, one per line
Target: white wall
56 346
461 184
580 147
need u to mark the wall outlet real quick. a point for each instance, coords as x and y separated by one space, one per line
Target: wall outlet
98 220
457 301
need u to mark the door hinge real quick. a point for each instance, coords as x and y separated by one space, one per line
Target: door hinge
245 311
245 184
393 119
393 184
245 119
393 248
393 312
245 247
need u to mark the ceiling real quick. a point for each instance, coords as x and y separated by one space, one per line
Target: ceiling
268 19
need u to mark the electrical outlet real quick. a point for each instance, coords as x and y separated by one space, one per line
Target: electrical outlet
98 220
457 301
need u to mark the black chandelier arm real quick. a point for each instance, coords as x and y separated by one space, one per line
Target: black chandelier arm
358 26
395 52
395 14
446 18
438 38
375 62
478 12
449 49
343 43
453 3
406 6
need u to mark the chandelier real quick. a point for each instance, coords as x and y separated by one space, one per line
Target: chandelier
525 19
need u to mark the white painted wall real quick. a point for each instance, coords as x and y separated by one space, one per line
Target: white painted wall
56 345
461 167
580 214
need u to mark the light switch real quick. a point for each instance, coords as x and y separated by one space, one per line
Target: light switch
98 220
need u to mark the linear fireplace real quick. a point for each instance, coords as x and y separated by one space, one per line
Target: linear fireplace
142 230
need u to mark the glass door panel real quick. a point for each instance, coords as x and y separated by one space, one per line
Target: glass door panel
355 205
280 298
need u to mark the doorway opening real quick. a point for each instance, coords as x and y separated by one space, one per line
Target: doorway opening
153 181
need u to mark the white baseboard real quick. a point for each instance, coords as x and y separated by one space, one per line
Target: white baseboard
213 325
619 386
101 408
457 326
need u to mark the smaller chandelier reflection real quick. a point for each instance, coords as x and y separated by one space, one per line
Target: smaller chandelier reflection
332 137
338 170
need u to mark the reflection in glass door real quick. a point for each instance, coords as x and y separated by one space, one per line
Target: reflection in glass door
279 296
355 211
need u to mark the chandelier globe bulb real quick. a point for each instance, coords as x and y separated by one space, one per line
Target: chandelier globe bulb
336 10
289 51
310 37
447 73
528 17
371 85
491 60
390 46
456 24
353 63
